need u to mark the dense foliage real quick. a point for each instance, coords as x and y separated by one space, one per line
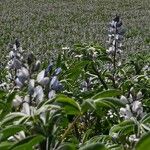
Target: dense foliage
85 98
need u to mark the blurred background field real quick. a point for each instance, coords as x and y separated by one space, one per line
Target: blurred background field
48 25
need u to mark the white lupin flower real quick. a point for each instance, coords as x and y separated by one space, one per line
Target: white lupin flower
126 112
45 81
111 49
136 105
16 63
19 136
10 65
31 86
51 94
122 112
19 84
25 105
139 95
38 93
23 73
123 99
130 98
40 76
17 101
133 138
11 54
14 47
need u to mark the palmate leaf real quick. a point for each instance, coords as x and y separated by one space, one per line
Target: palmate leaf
7 104
10 131
75 70
108 102
27 143
143 143
88 105
93 146
68 104
124 128
106 140
107 93
12 117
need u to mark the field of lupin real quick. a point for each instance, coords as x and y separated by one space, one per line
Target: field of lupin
74 75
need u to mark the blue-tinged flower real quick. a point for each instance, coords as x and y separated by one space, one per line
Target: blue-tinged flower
57 71
48 69
55 84
18 83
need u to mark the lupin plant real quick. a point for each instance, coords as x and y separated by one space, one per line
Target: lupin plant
115 37
31 87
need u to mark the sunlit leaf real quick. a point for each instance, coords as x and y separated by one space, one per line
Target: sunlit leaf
143 143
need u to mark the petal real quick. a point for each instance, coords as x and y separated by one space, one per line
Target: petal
31 86
57 71
48 69
16 64
51 94
40 76
38 93
37 65
18 83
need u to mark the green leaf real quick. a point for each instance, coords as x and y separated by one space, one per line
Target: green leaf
10 131
107 93
67 146
28 143
124 128
97 146
2 93
2 105
69 104
12 117
146 119
75 70
143 143
88 105
108 102
5 145
10 98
